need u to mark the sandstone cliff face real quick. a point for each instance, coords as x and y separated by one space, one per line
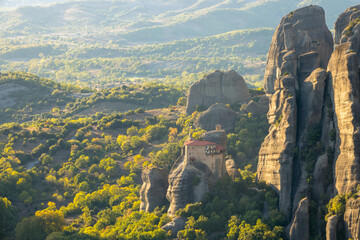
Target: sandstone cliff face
153 190
352 219
217 114
302 36
345 95
217 87
301 44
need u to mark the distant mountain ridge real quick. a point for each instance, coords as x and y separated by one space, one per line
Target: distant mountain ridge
151 39
154 21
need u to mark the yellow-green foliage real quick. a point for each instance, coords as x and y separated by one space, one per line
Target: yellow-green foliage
336 206
349 29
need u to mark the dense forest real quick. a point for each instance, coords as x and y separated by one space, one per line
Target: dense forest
66 175
109 64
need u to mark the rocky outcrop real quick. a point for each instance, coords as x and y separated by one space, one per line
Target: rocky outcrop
343 22
256 109
345 95
320 174
303 38
231 169
217 87
352 219
217 114
218 136
300 46
300 225
153 189
176 225
331 228
188 183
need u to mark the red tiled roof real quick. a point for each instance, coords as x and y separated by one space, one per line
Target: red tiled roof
219 147
198 143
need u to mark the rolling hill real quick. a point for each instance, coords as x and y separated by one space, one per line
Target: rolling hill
109 40
154 21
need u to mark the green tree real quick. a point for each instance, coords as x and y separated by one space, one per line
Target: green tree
7 217
181 101
30 229
132 131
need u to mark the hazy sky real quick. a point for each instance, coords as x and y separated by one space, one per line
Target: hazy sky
19 3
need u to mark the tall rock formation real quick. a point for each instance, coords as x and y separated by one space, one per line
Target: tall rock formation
345 94
304 31
307 102
300 49
217 87
344 82
153 190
